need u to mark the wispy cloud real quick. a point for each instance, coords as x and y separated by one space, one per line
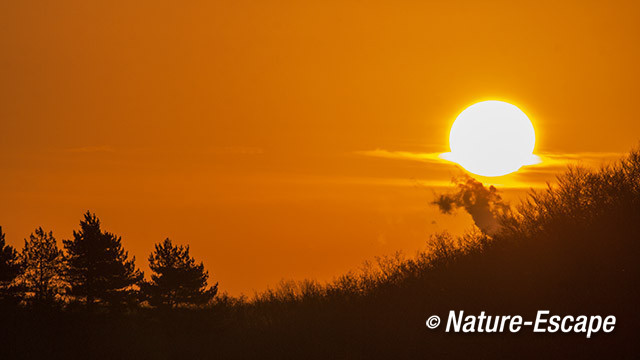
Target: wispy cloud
90 149
536 174
581 157
403 155
546 159
244 150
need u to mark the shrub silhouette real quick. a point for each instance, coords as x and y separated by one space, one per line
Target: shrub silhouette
98 269
176 280
43 266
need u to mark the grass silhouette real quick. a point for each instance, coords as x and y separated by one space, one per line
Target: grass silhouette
572 249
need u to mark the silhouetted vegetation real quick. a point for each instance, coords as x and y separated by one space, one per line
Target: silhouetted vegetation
10 268
571 249
97 266
42 263
176 280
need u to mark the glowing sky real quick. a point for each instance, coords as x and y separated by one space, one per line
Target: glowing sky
290 139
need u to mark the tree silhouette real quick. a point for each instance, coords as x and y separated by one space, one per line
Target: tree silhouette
10 268
97 266
177 279
43 264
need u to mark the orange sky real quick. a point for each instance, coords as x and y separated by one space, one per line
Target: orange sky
283 139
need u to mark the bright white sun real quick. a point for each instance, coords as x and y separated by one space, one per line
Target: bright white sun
492 138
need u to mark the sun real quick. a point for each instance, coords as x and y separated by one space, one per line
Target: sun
492 138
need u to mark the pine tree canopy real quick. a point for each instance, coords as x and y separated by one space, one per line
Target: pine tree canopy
177 280
43 265
98 268
10 267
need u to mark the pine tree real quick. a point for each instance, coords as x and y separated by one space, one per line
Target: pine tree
177 279
43 264
98 270
10 268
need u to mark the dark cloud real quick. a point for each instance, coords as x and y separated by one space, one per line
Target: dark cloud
484 204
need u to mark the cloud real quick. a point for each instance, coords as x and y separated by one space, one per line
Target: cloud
243 150
484 204
540 169
91 149
552 164
403 155
586 158
541 160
